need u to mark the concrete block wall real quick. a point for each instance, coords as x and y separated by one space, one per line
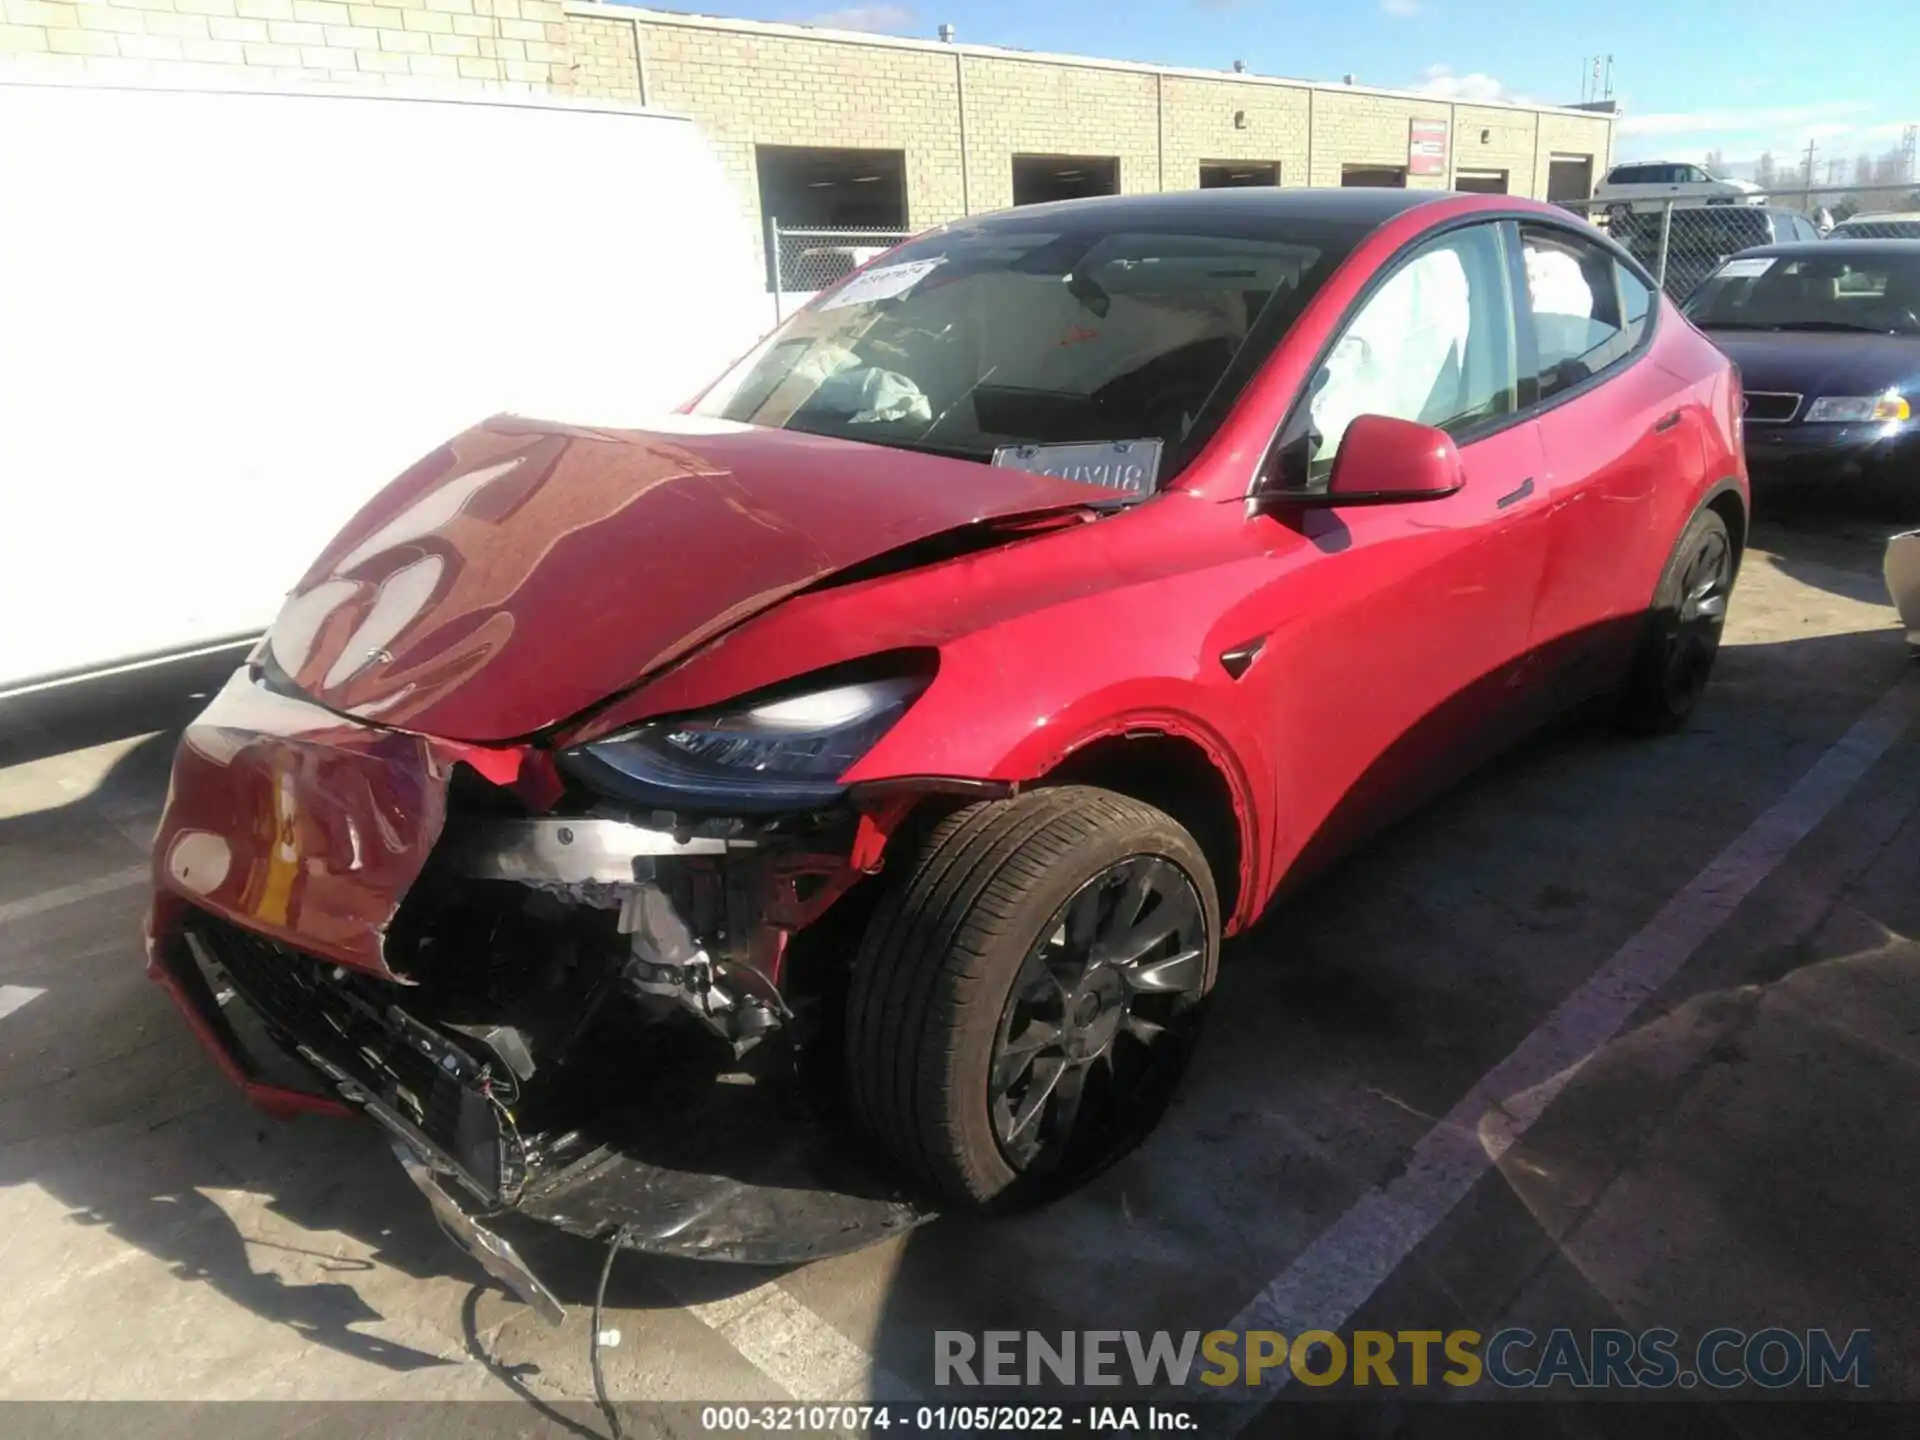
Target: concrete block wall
1571 135
1355 127
746 89
749 83
1033 107
427 46
1490 138
1197 124
606 57
959 113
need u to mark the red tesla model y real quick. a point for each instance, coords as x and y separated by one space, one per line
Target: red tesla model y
747 835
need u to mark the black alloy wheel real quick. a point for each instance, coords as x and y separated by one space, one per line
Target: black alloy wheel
1097 1024
1682 631
1029 991
1693 639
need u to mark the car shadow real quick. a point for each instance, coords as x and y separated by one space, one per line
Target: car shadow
1832 545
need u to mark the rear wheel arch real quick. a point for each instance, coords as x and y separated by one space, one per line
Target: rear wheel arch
1726 501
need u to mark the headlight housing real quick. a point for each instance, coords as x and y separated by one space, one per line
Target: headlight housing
1859 409
781 752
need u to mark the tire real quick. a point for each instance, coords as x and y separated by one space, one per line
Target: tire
1681 636
968 961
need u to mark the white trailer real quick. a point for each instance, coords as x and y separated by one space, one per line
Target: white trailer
226 318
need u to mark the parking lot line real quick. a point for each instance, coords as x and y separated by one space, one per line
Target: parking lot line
73 894
12 997
1335 1275
796 1349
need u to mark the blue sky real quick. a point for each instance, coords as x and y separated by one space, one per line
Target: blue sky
1690 75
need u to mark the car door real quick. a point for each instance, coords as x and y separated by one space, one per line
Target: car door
1395 653
1615 429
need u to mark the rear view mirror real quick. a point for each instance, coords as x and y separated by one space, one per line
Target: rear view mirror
1383 461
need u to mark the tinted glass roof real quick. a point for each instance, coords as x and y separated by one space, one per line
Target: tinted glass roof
1359 207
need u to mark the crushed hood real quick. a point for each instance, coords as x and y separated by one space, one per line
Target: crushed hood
525 571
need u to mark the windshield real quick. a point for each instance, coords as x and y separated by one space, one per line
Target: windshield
1020 332
1879 293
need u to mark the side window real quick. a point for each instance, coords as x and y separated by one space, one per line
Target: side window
1434 343
1636 302
1574 306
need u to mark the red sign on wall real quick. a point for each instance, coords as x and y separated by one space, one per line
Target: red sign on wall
1427 147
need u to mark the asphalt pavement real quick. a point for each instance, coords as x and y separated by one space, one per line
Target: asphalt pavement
1620 1033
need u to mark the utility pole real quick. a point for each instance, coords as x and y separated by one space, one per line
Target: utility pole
1596 78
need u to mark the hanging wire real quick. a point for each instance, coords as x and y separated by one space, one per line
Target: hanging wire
614 1429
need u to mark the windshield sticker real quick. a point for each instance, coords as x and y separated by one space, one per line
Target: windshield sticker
1130 466
887 282
1746 269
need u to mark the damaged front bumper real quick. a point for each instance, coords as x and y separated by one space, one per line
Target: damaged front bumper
594 1020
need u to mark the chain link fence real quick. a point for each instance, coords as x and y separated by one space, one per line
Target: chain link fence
1682 241
803 262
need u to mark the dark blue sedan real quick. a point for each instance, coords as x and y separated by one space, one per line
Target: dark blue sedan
1827 338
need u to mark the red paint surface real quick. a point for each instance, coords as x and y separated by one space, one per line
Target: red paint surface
1400 641
299 824
524 571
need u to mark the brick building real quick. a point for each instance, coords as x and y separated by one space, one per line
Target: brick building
827 127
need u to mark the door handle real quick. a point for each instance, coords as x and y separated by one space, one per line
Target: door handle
1666 422
1514 497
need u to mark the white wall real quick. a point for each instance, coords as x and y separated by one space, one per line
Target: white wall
229 318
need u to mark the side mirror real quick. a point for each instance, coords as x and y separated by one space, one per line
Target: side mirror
1383 461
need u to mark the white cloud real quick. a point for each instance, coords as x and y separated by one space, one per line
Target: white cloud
1440 81
1401 7
865 17
1742 135
1748 120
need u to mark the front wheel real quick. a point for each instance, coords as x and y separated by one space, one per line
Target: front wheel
1681 638
1029 991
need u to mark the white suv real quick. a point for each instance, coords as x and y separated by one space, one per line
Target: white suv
1643 184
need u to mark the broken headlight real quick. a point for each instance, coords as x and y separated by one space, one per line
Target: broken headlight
785 752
